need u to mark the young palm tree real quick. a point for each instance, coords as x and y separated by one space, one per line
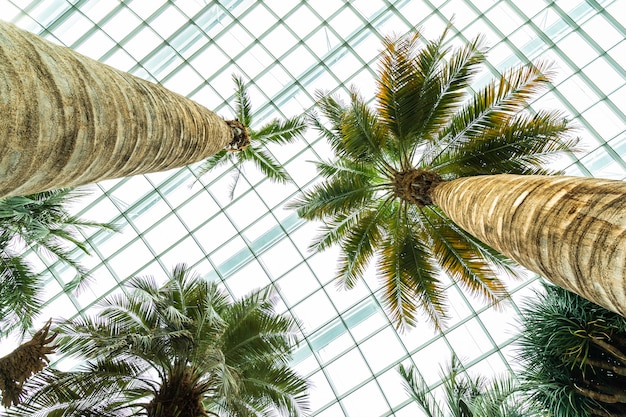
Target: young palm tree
182 349
68 120
40 222
274 132
376 200
574 355
467 396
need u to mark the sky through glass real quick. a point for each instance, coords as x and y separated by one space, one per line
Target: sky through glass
287 50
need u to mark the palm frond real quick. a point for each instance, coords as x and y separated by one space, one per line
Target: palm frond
494 105
462 260
214 161
408 273
359 244
243 107
336 196
417 388
525 145
266 163
281 131
19 293
362 137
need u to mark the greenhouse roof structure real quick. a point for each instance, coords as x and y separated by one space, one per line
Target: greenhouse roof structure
286 51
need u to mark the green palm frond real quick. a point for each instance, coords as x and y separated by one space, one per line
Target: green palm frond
243 106
358 245
214 161
19 293
418 389
492 106
266 163
336 196
408 273
462 260
362 136
525 146
281 131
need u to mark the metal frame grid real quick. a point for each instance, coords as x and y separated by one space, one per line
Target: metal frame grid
288 49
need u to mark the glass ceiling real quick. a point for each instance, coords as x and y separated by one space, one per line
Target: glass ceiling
287 50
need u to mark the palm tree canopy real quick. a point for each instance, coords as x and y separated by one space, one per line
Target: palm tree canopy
574 355
274 132
424 128
465 395
179 349
41 222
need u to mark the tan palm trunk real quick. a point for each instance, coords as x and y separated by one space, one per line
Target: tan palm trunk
570 230
67 120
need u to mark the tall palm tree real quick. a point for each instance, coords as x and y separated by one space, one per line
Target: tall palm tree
573 353
40 222
68 120
377 197
467 396
274 132
182 349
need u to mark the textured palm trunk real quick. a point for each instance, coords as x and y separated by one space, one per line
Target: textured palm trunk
570 230
67 120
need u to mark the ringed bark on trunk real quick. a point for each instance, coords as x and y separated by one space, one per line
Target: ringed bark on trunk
67 120
570 230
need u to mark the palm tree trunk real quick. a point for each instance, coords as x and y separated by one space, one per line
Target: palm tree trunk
68 120
570 230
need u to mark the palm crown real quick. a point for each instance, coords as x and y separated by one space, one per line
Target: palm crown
424 129
183 349
276 131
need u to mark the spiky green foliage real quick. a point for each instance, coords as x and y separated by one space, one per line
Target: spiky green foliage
424 121
467 396
182 349
42 223
573 353
275 132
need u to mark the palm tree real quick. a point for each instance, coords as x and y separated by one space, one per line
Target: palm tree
68 120
40 222
380 198
182 349
274 132
467 396
573 353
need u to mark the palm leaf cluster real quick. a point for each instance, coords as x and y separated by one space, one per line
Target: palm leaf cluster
424 127
275 132
574 355
181 349
42 223
467 396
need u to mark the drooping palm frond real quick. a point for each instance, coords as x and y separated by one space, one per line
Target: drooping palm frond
274 132
40 222
181 347
425 127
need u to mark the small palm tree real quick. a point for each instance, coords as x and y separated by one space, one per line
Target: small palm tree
274 132
39 222
467 396
573 354
424 131
182 349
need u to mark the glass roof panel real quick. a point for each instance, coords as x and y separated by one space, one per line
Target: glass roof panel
286 51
